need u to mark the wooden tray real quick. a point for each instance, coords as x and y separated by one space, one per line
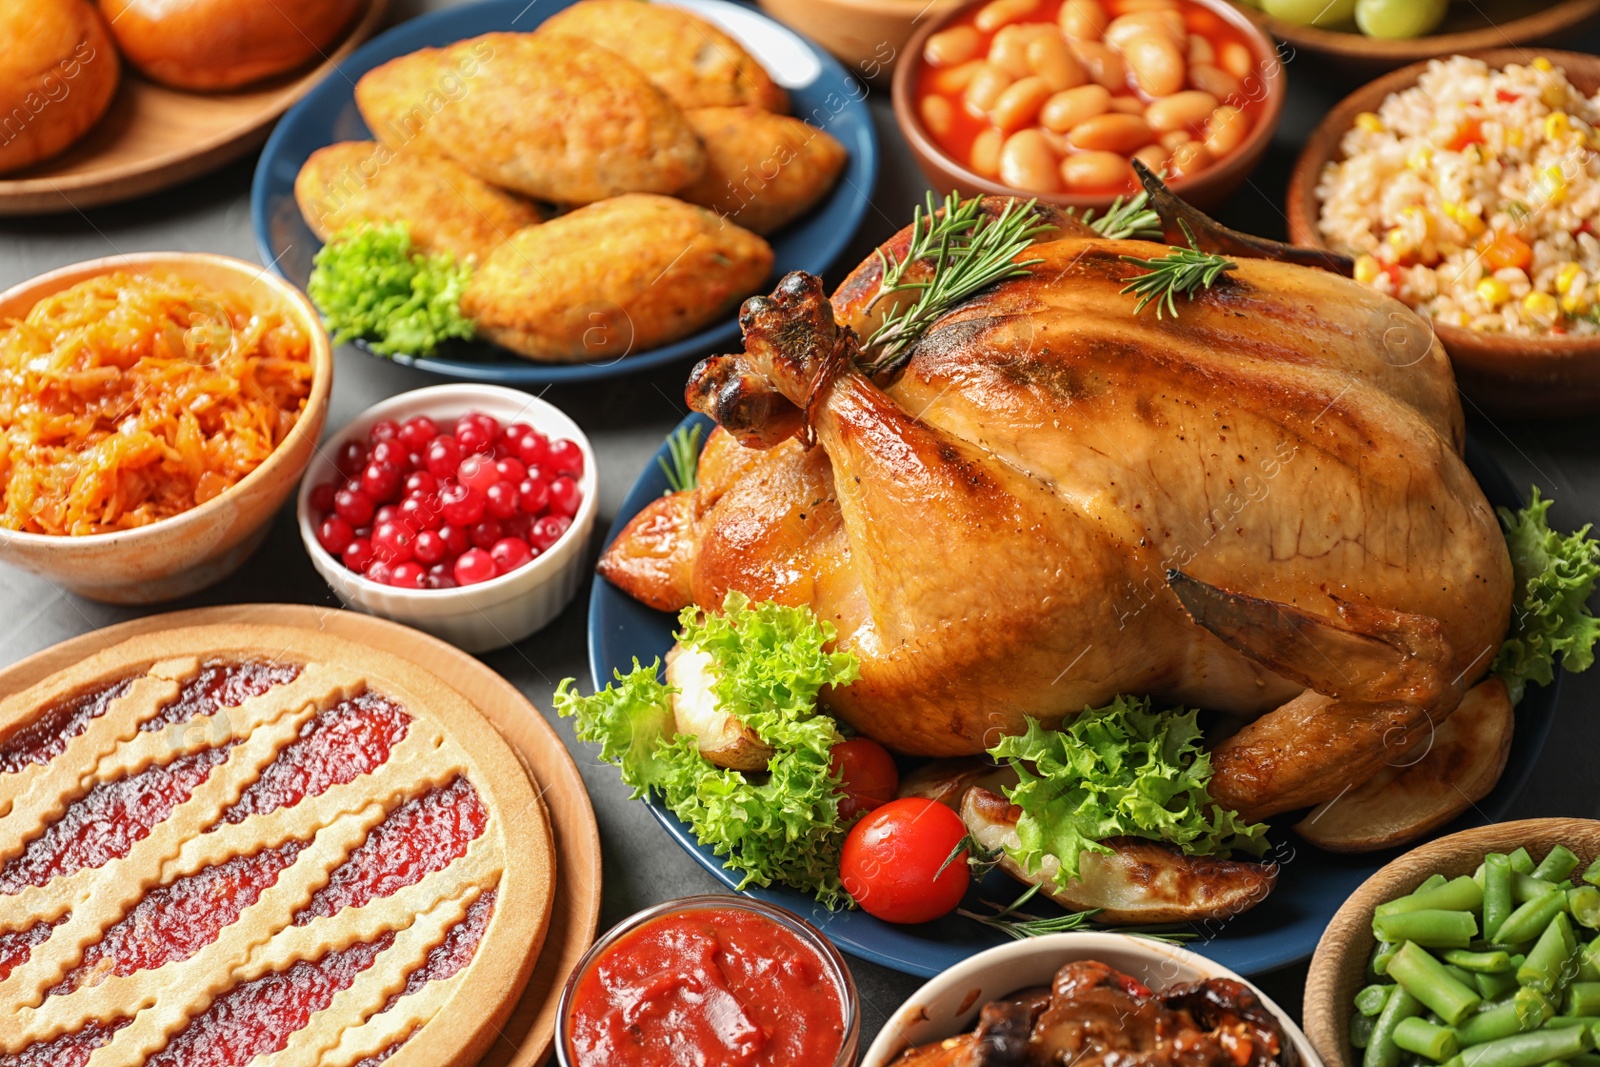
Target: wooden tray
153 136
529 1035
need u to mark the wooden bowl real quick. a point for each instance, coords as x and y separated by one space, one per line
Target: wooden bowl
1508 376
1339 967
867 36
1205 190
187 552
1467 28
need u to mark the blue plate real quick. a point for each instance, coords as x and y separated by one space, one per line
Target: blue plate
1282 930
820 91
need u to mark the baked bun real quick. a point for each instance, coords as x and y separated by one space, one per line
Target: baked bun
223 44
58 73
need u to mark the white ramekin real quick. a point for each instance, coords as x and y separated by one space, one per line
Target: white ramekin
949 1004
480 617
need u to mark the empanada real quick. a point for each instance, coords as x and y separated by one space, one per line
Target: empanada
762 170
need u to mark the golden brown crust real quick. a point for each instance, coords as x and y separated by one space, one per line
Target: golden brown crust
549 116
446 738
762 170
58 73
446 207
620 276
688 58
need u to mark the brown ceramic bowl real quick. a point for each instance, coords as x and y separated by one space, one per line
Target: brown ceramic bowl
1510 376
867 36
1339 967
186 552
1467 28
1205 190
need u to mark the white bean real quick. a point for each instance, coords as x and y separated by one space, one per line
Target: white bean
997 13
1083 20
1167 23
1180 110
1128 7
1127 105
953 80
1028 162
1237 60
986 152
950 47
1214 80
1200 50
1019 105
1113 132
1189 158
938 115
1152 156
1067 109
1156 62
1226 130
985 88
1009 50
1093 170
1103 64
1173 138
1053 61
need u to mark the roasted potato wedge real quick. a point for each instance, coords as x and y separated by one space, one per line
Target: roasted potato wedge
445 207
762 170
688 58
1137 882
652 558
947 780
1465 760
624 275
721 737
549 116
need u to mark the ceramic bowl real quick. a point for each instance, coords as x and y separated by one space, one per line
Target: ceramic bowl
1339 967
179 555
1512 376
949 1004
1467 28
491 614
1206 189
867 36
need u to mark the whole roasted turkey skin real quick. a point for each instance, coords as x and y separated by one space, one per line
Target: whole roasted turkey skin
1257 506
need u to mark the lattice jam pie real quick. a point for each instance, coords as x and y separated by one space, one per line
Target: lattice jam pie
227 845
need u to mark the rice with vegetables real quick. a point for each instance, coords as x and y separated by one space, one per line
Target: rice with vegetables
1474 197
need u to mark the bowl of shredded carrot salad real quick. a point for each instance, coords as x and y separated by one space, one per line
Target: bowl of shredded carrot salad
155 411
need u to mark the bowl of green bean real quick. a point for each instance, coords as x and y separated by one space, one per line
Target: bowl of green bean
1481 949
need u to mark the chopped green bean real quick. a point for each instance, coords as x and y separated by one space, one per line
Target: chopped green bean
1425 1039
1495 986
1591 873
1496 893
1525 887
1589 962
1502 1020
1433 881
1529 921
1430 982
1370 1000
1382 953
1529 1049
1458 894
1557 865
1584 1059
1430 929
1361 1027
1583 903
1545 969
1494 962
1381 1050
1583 998
1521 862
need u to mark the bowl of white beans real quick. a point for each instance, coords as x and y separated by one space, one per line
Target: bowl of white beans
1054 99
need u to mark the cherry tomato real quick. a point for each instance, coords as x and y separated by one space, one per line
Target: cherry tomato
891 861
868 776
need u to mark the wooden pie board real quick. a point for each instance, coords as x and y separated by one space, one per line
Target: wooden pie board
529 1035
152 136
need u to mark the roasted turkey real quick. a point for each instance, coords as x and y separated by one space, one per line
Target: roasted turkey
1257 506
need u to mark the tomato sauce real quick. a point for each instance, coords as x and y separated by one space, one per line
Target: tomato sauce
719 987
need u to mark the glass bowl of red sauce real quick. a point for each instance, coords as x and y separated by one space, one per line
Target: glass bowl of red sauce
710 979
1054 99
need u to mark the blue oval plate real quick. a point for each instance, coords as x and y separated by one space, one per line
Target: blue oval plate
1282 930
820 91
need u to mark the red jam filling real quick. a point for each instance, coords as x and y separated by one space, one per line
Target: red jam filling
221 685
258 1017
68 1050
46 737
378 1057
712 985
17 945
335 747
421 836
177 920
105 823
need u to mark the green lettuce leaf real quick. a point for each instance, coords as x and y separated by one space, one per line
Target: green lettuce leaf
369 282
1119 771
770 662
1554 577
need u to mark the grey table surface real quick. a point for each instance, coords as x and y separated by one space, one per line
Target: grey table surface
626 420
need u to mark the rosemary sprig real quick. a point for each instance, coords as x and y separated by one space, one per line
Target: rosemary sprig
683 446
970 252
1183 270
1125 219
1019 925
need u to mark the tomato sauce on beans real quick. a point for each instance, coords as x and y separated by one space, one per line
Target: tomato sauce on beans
1058 96
722 986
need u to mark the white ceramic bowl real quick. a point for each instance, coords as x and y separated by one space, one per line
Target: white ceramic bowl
949 1004
480 617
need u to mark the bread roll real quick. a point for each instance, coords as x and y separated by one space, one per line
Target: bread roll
223 44
58 73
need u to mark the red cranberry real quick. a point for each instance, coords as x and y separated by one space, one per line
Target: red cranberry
357 555
472 438
387 513
321 497
419 513
509 553
353 506
455 540
381 482
485 422
335 534
380 572
533 497
474 566
442 457
517 525
383 430
350 458
429 547
533 448
477 473
391 452
565 496
417 432
392 542
485 533
460 506
547 531
512 436
500 500
442 576
566 457
421 482
510 470
409 575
